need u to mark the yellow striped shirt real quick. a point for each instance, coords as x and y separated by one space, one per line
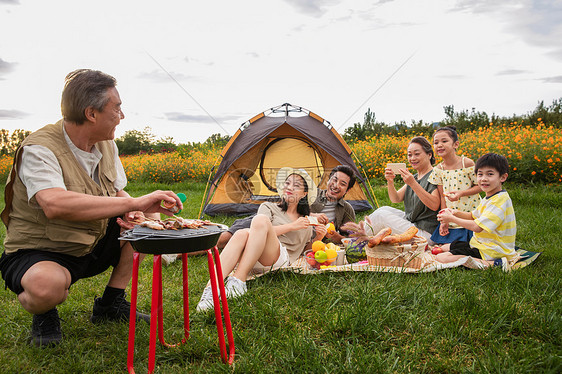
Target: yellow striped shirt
496 217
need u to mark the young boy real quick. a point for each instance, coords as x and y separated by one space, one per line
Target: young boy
493 221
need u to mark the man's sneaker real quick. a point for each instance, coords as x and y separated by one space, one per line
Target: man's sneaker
502 262
206 301
119 310
45 329
235 287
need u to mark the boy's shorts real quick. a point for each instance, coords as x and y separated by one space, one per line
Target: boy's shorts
106 253
463 249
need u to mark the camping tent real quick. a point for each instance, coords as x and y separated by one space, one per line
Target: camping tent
282 136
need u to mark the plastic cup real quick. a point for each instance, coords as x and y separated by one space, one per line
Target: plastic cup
340 260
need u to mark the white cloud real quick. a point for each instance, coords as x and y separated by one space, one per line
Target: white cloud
512 72
228 60
537 22
12 114
6 67
160 76
198 118
315 8
556 79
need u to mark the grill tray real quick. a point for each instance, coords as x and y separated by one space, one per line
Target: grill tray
147 240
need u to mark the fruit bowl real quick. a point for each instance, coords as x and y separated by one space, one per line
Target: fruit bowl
319 258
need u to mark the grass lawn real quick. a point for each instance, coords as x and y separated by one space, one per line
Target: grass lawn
454 321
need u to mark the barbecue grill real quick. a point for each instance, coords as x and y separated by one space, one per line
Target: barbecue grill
184 241
147 240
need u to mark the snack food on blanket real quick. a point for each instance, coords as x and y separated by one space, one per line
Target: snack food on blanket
321 254
331 252
404 237
318 245
436 250
375 240
313 220
358 230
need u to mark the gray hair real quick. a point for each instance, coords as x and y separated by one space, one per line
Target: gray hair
84 88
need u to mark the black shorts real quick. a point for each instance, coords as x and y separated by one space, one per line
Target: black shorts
106 253
464 249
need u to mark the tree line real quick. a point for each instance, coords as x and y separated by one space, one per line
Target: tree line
464 121
10 141
135 142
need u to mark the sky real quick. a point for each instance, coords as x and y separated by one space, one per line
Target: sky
190 69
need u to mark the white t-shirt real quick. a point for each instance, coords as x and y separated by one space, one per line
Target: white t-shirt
40 170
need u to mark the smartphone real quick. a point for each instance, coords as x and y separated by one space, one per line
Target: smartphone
395 166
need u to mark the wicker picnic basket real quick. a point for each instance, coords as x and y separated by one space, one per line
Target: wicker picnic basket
402 255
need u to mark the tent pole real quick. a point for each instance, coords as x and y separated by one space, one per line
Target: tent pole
204 200
370 188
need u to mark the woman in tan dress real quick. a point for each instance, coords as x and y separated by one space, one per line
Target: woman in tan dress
277 236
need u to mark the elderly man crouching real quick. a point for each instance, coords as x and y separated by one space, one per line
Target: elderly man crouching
64 203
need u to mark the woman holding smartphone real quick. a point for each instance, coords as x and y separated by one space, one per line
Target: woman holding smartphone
421 198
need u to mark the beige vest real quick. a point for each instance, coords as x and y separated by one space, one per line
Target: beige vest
28 227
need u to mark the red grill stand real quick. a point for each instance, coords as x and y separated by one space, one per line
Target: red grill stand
156 310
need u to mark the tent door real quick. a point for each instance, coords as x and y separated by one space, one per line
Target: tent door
282 152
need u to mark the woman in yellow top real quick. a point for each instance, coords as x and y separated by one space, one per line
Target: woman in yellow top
456 182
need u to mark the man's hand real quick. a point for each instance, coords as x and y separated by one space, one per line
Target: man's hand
334 237
134 216
321 231
58 203
129 219
321 217
152 203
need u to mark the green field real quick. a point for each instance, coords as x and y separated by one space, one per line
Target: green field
451 321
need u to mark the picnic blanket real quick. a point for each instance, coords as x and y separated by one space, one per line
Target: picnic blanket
429 263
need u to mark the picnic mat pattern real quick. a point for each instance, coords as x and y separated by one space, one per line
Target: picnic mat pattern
429 263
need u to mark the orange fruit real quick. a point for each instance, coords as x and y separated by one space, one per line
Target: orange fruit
331 253
318 246
330 228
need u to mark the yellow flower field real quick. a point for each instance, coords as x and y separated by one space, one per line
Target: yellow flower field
534 154
169 167
5 166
